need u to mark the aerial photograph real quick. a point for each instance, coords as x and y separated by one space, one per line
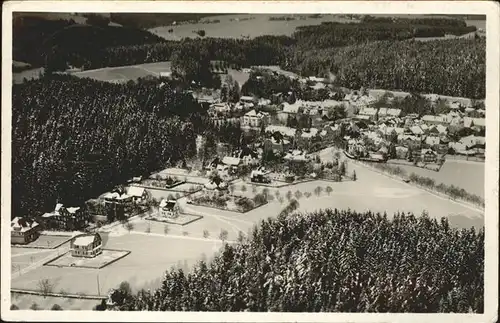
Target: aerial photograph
248 162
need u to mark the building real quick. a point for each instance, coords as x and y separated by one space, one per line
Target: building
117 198
138 194
23 231
247 99
371 113
285 131
433 120
255 119
432 140
86 245
428 156
66 219
169 208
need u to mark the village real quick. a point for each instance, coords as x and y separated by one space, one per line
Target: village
284 142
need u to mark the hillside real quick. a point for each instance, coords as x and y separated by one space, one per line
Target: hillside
333 261
38 40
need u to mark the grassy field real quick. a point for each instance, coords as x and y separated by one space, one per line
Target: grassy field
464 174
150 256
233 26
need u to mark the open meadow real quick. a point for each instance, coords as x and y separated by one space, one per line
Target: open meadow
242 26
468 175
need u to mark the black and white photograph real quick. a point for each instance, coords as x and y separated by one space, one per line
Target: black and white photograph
272 162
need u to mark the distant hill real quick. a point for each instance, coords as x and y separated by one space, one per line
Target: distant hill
151 20
35 35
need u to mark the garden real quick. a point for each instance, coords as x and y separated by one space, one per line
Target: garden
229 202
163 182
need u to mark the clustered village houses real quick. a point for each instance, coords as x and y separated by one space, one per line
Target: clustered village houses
293 129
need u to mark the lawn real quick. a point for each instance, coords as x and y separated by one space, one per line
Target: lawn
149 258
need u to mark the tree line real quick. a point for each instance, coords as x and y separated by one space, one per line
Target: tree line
334 34
448 67
289 264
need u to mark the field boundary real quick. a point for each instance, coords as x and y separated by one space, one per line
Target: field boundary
282 185
125 253
197 217
228 210
32 292
21 246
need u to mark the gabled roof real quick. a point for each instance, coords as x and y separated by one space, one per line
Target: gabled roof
22 224
136 191
84 240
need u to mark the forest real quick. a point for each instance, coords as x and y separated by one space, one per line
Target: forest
333 34
404 264
376 53
70 146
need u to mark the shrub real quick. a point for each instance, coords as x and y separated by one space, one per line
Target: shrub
14 307
206 234
34 307
56 307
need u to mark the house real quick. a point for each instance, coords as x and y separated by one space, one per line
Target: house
277 143
260 176
382 112
401 152
169 208
255 119
474 122
394 112
292 108
23 230
442 130
432 140
137 193
471 141
219 108
66 219
86 245
264 102
430 119
317 79
417 131
428 156
285 131
245 99
309 133
297 155
370 112
117 198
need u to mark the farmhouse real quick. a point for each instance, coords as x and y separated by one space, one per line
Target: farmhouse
169 208
255 119
23 230
67 219
86 245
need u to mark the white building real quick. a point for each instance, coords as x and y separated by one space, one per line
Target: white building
255 119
